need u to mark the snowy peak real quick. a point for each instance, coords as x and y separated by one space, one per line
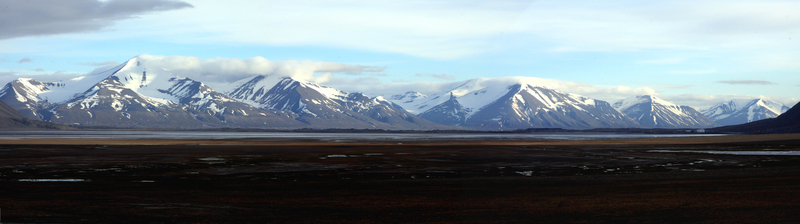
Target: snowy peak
629 102
322 106
515 104
27 89
25 95
651 111
742 111
529 106
407 97
450 112
253 88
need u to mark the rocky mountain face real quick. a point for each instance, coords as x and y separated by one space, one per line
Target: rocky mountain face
142 95
324 107
7 111
449 112
11 119
23 95
514 104
130 96
136 94
651 111
787 122
743 111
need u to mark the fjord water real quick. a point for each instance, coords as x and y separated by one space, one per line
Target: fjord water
323 136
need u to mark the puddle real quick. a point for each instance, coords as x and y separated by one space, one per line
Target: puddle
743 153
526 173
54 180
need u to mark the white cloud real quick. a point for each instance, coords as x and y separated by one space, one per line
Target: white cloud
429 29
637 25
8 75
48 17
376 87
747 82
611 94
225 70
436 76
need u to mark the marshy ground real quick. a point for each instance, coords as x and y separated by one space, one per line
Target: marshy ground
269 181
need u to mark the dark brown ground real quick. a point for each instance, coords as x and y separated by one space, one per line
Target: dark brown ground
260 181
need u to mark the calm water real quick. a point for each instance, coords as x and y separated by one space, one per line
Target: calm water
322 136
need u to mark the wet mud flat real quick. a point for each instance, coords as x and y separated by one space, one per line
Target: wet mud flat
399 182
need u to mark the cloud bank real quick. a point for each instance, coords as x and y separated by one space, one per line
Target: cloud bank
226 70
458 29
436 76
48 17
747 82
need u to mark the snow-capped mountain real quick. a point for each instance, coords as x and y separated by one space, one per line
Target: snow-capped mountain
135 95
23 95
451 112
140 93
322 106
787 122
514 103
408 97
744 110
651 111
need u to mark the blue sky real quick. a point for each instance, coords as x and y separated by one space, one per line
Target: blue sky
693 53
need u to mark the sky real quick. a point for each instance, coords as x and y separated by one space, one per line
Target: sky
695 53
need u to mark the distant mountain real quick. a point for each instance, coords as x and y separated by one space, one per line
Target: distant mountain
451 112
322 106
140 94
651 111
513 103
23 95
788 122
743 111
407 97
135 95
14 120
7 111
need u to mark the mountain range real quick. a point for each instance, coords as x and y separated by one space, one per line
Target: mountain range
788 122
743 111
140 95
511 104
651 111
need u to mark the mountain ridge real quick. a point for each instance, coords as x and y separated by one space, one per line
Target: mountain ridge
742 111
513 104
651 111
140 94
